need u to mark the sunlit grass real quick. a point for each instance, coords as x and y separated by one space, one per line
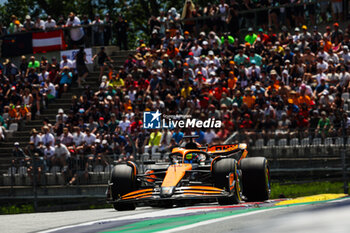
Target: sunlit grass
300 190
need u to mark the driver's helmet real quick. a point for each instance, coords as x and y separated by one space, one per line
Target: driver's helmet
191 158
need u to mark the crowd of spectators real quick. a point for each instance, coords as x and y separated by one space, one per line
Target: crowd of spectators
231 16
294 83
269 85
94 32
29 87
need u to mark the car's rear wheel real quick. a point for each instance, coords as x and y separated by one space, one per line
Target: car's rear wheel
255 178
124 181
226 177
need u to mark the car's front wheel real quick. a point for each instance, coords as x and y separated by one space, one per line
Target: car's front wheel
226 177
123 181
255 178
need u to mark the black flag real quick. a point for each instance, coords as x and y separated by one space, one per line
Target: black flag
16 45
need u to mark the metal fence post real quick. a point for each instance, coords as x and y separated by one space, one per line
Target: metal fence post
12 179
92 37
77 170
345 179
35 191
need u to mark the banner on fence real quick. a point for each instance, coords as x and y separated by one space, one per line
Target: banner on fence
71 54
48 41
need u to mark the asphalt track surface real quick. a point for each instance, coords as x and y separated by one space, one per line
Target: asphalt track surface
309 216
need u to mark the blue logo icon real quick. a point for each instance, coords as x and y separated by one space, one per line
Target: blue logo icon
151 120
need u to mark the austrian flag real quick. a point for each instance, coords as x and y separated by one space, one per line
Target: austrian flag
48 41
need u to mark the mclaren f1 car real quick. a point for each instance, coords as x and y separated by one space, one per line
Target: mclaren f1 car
192 174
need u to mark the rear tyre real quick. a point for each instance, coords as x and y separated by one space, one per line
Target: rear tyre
124 181
224 173
255 178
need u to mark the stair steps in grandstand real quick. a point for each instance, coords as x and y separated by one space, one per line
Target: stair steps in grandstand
9 148
120 56
4 166
117 57
4 160
8 145
17 139
124 53
23 134
4 153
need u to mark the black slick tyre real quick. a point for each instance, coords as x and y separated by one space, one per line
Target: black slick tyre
255 178
224 173
124 181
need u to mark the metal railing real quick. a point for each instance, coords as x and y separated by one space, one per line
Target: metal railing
91 37
246 20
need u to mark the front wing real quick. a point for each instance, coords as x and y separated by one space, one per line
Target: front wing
179 193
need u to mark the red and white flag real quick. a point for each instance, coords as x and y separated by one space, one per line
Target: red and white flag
48 41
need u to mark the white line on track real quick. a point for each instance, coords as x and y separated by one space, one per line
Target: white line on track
183 228
151 214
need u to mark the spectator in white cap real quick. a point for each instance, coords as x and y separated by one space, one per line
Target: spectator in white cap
253 70
201 38
104 83
285 77
345 55
62 115
205 48
326 99
213 38
296 36
18 154
28 25
47 137
212 57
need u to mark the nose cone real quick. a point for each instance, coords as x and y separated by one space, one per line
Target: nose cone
167 191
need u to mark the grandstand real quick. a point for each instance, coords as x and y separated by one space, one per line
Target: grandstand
282 90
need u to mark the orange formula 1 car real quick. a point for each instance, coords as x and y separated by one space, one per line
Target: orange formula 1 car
194 174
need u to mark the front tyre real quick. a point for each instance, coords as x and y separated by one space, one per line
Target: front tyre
255 178
123 181
226 177
124 206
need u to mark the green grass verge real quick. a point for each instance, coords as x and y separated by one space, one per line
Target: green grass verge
17 209
300 190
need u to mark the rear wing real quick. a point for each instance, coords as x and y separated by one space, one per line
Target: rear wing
228 150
